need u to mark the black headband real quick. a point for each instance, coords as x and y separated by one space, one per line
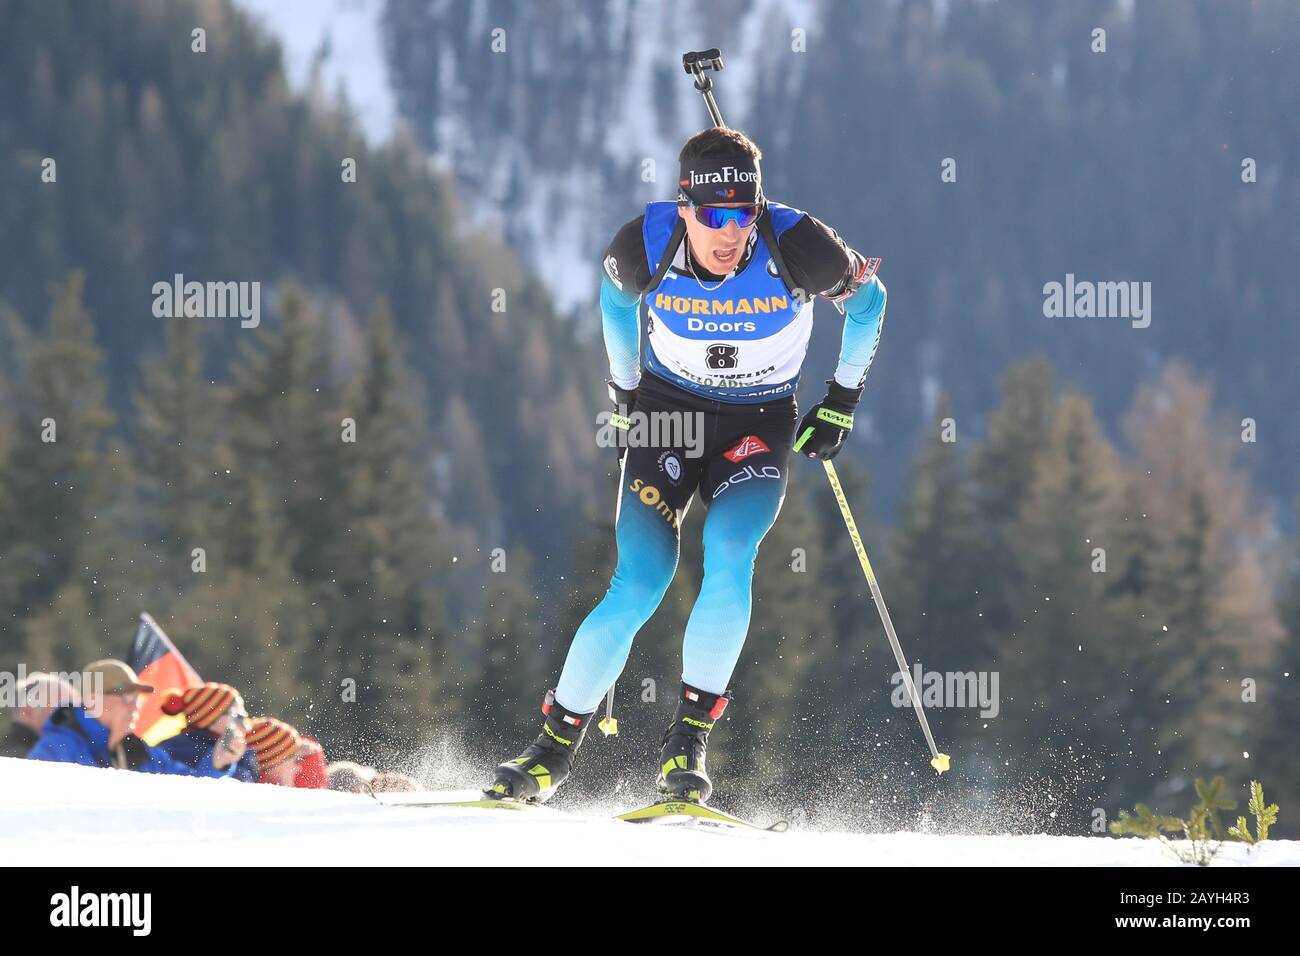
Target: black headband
708 182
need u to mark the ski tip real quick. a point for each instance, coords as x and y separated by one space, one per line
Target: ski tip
940 763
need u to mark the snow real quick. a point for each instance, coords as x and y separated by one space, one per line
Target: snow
67 814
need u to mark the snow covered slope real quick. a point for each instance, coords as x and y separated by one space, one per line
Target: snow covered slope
79 815
341 39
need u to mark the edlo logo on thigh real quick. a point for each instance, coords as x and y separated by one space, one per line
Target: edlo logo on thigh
745 474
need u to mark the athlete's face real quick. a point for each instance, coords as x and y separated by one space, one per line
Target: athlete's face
718 250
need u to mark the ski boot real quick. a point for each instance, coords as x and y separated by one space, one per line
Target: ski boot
682 775
534 775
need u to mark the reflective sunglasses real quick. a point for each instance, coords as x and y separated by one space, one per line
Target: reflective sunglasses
715 217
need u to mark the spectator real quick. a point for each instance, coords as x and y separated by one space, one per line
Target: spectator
390 781
39 696
313 773
349 777
211 711
72 735
276 745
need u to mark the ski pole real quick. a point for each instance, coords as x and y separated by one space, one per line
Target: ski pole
939 760
609 725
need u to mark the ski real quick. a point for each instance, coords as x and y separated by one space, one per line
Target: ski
661 812
673 811
466 798
492 804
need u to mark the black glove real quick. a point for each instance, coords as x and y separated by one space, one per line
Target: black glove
624 400
822 431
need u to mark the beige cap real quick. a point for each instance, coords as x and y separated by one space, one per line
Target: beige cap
118 676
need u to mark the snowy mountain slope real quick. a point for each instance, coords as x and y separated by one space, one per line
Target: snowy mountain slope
341 39
83 816
550 137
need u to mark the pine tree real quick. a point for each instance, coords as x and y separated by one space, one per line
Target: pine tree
285 502
499 669
60 492
177 449
937 570
1002 469
1279 693
285 432
937 574
1209 621
389 566
1056 663
14 343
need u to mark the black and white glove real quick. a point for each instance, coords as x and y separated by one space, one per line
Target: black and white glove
624 400
822 431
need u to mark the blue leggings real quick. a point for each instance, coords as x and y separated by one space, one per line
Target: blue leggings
742 476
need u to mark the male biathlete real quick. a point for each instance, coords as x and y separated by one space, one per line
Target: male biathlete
729 306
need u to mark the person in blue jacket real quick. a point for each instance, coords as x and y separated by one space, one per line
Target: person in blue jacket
214 717
97 733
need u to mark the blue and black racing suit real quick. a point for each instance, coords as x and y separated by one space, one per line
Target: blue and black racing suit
729 348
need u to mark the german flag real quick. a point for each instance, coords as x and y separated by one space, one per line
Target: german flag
155 658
